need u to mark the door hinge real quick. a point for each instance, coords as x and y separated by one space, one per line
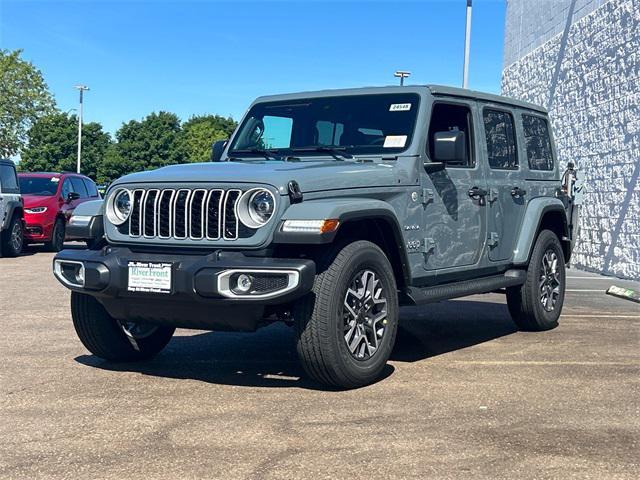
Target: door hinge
427 196
493 195
494 239
428 246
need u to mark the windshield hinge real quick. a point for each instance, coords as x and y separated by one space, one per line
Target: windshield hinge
427 196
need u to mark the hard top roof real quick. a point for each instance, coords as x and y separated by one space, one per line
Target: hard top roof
436 90
51 174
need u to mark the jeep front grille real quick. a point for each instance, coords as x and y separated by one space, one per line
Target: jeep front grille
184 213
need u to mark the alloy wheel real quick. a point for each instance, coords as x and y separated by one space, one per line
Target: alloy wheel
16 237
550 281
364 314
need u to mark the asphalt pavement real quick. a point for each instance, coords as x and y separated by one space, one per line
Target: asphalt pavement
465 395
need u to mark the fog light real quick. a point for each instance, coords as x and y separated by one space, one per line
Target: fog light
69 272
244 283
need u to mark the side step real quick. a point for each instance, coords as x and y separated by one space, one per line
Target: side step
510 278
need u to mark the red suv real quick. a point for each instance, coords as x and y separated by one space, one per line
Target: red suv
49 200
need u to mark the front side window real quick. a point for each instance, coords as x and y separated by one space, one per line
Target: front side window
538 143
355 124
8 180
501 143
78 187
452 117
67 188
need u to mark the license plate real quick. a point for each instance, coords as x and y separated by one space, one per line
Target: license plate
149 277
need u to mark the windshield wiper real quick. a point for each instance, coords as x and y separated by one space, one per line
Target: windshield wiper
268 153
339 153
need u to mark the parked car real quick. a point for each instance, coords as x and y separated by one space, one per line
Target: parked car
328 211
11 211
49 200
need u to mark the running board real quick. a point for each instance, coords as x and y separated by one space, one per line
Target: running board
510 278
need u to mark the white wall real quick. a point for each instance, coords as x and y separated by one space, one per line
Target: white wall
588 75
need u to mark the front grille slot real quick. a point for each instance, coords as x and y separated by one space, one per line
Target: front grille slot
149 209
229 219
197 213
135 220
214 205
180 217
186 214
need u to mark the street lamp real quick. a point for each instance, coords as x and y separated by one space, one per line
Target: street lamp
81 88
402 74
467 45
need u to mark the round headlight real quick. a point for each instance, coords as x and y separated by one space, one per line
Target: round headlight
119 207
256 207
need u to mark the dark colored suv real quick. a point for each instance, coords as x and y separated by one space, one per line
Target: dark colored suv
49 200
11 222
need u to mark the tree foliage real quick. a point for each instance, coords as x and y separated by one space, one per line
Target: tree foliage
155 141
53 142
24 97
199 133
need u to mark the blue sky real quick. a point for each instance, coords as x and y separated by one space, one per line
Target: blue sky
194 57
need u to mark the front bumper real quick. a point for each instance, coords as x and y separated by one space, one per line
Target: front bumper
199 295
37 232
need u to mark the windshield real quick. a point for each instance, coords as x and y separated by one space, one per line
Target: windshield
356 124
41 186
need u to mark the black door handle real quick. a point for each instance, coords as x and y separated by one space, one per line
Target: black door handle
517 192
476 192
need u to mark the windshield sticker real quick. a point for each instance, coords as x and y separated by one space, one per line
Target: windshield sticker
395 141
55 179
400 107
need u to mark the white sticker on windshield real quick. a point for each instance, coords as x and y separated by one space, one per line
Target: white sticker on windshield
400 107
395 141
55 179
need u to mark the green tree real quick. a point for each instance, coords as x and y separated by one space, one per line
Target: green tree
199 133
24 97
154 142
53 143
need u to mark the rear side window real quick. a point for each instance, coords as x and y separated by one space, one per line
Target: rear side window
501 142
78 187
8 179
91 187
538 143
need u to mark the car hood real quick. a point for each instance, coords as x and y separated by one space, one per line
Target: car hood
31 201
310 175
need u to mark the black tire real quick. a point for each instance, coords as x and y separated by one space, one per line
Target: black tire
57 237
103 336
528 304
320 319
12 238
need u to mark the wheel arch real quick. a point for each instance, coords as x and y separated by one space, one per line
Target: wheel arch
359 219
542 214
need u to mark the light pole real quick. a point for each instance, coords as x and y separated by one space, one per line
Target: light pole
81 88
402 74
467 46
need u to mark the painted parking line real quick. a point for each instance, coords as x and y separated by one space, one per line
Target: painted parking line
542 362
584 290
598 315
601 279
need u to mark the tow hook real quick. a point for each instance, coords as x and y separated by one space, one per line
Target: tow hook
130 337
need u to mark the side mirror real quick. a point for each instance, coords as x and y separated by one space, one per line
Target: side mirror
71 196
217 149
450 147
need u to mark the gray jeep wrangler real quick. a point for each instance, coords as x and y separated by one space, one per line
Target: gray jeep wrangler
11 211
328 211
